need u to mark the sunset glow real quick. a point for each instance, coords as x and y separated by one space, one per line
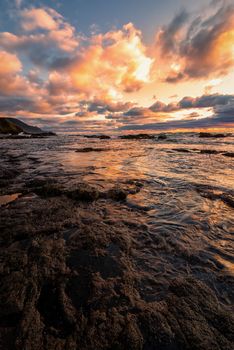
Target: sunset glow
54 70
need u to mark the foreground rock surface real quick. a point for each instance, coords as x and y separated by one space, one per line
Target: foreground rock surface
74 273
68 282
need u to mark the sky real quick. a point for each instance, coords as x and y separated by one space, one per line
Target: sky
98 66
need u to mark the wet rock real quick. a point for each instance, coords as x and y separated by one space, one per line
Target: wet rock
162 137
137 137
120 192
194 150
8 174
209 135
91 149
12 293
228 199
214 194
101 137
39 182
182 150
104 137
48 190
53 310
117 194
82 291
86 262
228 154
83 192
209 151
82 270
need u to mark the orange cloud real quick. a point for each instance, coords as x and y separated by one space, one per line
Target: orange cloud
10 63
112 63
10 81
201 49
89 79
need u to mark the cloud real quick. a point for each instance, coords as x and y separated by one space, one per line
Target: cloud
204 101
18 3
101 66
199 48
49 70
10 63
103 107
112 63
161 116
46 37
11 80
39 18
168 35
215 121
225 113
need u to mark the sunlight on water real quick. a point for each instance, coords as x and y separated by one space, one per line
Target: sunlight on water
8 198
185 202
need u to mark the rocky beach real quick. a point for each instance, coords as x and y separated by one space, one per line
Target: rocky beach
117 243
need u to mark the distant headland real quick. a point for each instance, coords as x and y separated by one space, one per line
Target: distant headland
15 128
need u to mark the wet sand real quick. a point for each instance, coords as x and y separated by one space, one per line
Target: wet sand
128 248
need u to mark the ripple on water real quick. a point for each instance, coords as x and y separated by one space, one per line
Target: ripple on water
183 201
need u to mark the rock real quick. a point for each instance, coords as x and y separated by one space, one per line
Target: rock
8 173
209 151
7 176
83 192
72 279
182 150
79 192
137 137
215 194
117 194
101 137
48 190
80 271
228 154
104 137
91 149
209 135
228 199
162 137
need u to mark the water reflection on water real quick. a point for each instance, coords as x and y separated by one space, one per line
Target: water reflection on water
187 232
8 198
